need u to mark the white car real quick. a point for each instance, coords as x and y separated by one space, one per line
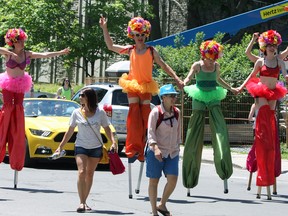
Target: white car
115 103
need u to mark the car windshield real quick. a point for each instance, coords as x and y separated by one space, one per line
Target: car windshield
49 107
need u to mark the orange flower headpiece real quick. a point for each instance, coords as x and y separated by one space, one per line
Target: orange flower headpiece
138 25
269 37
13 35
211 50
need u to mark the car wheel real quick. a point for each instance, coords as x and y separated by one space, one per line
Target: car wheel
28 161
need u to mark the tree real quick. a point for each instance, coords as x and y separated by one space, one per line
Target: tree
155 20
46 23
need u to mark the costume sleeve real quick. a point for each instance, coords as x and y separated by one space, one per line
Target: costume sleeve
152 121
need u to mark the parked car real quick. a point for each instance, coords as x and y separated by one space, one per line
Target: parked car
115 102
46 121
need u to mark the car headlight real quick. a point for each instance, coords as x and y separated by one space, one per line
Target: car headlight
40 132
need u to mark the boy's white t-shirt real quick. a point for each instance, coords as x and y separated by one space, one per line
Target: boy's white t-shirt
86 138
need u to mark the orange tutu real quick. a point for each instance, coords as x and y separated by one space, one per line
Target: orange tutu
133 85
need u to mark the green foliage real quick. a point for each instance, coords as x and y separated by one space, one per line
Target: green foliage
235 65
284 150
52 88
54 25
179 58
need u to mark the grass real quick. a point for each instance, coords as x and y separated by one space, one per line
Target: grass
52 88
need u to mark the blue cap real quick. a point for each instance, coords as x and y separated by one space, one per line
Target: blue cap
167 89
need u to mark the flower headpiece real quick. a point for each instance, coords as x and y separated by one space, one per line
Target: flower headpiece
211 50
269 37
13 35
139 25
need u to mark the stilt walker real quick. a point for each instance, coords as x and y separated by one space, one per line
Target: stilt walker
12 113
267 91
251 163
207 94
139 85
14 82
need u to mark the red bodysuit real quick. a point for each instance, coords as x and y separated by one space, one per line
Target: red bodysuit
266 143
12 129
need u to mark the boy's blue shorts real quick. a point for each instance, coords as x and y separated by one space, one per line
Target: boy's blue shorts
154 167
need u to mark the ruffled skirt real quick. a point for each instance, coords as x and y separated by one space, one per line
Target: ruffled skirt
133 86
20 84
257 89
217 94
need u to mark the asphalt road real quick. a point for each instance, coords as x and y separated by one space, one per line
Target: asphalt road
51 191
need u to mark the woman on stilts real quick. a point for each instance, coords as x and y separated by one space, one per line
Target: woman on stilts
267 91
207 94
14 83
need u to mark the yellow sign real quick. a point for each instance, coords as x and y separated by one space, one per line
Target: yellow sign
273 11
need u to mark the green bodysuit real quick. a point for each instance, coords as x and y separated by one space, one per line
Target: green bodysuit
206 94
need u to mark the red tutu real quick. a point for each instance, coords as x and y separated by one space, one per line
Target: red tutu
257 89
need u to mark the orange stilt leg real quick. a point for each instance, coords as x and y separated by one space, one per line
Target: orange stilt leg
134 141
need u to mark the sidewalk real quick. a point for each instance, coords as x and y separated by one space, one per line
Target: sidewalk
238 159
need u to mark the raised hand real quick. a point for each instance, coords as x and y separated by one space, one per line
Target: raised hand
103 22
255 36
66 50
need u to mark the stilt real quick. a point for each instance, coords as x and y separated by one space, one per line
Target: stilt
275 188
249 181
15 178
269 197
130 181
258 196
188 192
137 190
225 186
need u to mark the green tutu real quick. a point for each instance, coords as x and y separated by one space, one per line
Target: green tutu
217 94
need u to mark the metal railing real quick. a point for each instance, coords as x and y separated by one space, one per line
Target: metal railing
235 109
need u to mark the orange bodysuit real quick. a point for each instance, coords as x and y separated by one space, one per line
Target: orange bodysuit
138 83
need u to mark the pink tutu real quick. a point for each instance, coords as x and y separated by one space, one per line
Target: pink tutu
257 89
20 84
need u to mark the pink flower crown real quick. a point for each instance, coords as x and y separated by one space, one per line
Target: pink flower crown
138 25
211 50
271 37
13 35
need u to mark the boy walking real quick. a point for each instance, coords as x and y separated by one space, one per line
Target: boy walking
164 138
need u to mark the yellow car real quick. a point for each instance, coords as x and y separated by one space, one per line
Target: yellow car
46 121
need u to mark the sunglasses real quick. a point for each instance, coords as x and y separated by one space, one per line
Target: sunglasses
138 35
82 95
171 95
